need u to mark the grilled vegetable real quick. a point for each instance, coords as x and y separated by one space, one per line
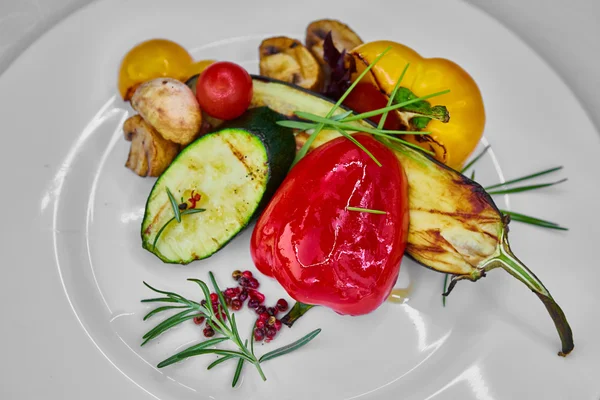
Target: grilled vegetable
224 90
170 107
231 174
455 227
321 249
149 154
344 38
455 132
288 60
156 58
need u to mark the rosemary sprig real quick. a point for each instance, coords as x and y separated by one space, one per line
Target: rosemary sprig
365 210
223 323
177 214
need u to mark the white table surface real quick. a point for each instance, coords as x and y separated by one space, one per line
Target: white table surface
565 33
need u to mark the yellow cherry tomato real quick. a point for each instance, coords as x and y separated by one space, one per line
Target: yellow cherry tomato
152 59
198 67
452 141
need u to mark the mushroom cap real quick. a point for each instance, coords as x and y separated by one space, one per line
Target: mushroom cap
170 107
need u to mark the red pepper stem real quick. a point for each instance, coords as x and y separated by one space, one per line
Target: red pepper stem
296 312
511 264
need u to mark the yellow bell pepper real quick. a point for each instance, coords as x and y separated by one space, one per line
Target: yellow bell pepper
452 141
155 58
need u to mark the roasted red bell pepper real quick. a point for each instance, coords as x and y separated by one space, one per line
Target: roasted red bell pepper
321 252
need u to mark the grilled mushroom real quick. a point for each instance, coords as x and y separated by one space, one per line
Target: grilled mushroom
344 38
150 154
289 60
170 107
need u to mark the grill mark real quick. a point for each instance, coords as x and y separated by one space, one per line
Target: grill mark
155 219
463 216
428 139
239 156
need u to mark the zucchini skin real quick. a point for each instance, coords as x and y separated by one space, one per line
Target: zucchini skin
279 146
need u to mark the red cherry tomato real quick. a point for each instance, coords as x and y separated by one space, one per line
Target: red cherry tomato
321 252
224 90
366 97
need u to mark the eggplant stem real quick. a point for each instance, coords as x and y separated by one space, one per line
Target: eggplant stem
296 312
506 260
474 276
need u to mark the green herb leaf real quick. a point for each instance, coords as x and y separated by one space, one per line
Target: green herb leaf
219 361
392 97
221 299
174 205
526 177
168 324
423 111
520 189
161 309
160 231
365 210
304 126
238 370
200 352
192 211
252 340
159 299
533 221
204 288
169 294
235 331
182 355
474 160
358 144
290 347
473 175
341 116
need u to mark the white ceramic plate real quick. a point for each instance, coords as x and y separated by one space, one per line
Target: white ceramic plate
73 264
